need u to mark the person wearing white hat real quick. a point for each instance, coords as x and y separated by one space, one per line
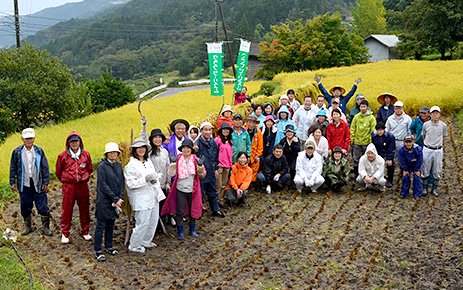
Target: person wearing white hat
30 175
434 133
142 184
399 125
225 117
109 199
284 102
309 168
207 149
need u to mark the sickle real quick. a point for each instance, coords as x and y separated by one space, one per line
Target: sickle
139 107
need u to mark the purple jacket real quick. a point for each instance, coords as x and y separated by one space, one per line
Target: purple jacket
171 147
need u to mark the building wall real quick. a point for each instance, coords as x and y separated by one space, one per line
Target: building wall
377 50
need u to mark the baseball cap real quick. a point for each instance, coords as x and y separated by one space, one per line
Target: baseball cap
424 109
435 108
28 133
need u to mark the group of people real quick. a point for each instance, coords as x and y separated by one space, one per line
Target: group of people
168 177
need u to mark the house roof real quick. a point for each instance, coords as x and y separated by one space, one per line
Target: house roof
387 40
255 49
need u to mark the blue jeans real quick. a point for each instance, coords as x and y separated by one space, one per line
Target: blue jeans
210 190
108 227
28 196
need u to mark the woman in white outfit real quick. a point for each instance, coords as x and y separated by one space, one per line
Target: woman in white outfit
144 191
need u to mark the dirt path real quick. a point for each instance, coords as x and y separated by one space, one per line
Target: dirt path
286 240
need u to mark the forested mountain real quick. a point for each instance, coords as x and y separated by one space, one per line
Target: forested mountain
148 37
30 24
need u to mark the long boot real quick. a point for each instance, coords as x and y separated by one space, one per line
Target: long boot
27 226
193 230
46 226
180 232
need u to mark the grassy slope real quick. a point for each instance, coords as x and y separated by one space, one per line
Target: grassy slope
115 125
416 83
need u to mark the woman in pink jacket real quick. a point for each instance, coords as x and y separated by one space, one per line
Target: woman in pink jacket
225 144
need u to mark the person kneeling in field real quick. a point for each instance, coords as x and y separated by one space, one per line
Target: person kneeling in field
371 169
336 172
240 179
274 171
109 199
309 168
411 159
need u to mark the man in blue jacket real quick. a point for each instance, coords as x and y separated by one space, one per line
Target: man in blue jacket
411 159
208 152
337 92
384 142
30 175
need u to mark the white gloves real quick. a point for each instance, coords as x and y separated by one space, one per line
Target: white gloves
309 182
144 122
276 178
357 81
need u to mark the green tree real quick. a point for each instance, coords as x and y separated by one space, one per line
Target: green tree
108 92
436 24
369 17
36 89
321 43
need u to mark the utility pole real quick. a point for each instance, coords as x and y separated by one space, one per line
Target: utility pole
226 37
16 21
216 22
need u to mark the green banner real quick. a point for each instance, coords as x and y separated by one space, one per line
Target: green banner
242 65
214 51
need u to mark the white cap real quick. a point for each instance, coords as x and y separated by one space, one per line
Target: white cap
111 147
284 97
28 133
435 108
205 124
398 104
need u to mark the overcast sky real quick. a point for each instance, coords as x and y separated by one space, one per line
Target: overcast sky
30 6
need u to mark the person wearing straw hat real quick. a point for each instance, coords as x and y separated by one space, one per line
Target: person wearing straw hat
399 125
411 159
387 102
309 168
284 103
303 118
416 127
109 199
144 192
338 92
185 194
257 144
434 133
30 175
291 148
225 117
336 171
180 128
73 168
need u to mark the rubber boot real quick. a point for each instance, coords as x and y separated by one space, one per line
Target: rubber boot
193 230
27 226
425 183
180 232
46 226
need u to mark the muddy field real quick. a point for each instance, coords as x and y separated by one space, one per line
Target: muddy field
284 240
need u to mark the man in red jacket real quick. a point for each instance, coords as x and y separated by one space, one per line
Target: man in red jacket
338 133
73 169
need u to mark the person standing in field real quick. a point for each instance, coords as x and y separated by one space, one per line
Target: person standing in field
227 112
371 170
225 145
411 159
336 171
399 125
338 134
269 132
240 138
303 118
179 127
292 102
387 102
258 112
320 104
320 122
109 199
193 133
240 97
335 105
360 133
356 109
283 121
338 92
416 126
257 144
207 149
73 168
30 175
434 133
309 169
268 110
384 142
